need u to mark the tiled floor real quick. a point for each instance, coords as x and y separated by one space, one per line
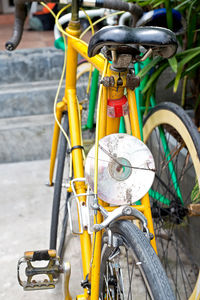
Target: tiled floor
30 39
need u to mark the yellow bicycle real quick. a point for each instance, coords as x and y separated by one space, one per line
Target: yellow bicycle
108 188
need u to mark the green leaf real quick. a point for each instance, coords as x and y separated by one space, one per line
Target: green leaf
154 77
195 195
188 51
148 67
182 4
173 64
191 26
182 63
158 3
192 67
190 10
169 15
171 83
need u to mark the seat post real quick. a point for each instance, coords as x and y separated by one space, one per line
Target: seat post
75 10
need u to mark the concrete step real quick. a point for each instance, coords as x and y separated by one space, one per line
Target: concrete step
30 98
26 138
29 138
29 65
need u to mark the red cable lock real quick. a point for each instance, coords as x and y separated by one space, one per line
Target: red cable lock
117 108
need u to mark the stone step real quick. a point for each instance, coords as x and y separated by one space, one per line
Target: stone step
29 138
29 65
26 138
23 99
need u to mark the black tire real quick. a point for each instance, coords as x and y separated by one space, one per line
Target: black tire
177 239
131 269
83 90
59 217
83 94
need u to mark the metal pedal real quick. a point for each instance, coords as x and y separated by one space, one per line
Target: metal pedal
51 271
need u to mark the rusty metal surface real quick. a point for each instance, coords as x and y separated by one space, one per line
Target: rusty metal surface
125 169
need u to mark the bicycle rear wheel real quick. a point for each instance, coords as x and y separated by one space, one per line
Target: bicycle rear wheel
59 217
175 144
131 269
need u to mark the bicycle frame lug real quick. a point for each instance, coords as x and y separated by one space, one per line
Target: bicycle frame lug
132 81
108 81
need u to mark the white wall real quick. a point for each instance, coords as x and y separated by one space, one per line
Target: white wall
5 7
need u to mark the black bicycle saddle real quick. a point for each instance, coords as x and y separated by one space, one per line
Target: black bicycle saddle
161 40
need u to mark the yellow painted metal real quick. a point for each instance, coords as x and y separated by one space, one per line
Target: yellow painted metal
75 134
97 236
139 207
59 110
133 114
82 297
103 114
95 271
112 125
115 92
147 213
196 292
97 61
127 124
136 132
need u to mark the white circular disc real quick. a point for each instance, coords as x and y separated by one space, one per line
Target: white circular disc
126 169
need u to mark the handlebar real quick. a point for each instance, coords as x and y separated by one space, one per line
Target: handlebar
20 17
21 13
134 9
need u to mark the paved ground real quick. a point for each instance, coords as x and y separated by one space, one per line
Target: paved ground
25 203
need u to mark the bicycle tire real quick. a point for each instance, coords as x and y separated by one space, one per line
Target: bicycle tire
84 91
59 217
87 97
139 275
178 250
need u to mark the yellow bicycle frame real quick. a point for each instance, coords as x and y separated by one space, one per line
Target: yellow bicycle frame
91 252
